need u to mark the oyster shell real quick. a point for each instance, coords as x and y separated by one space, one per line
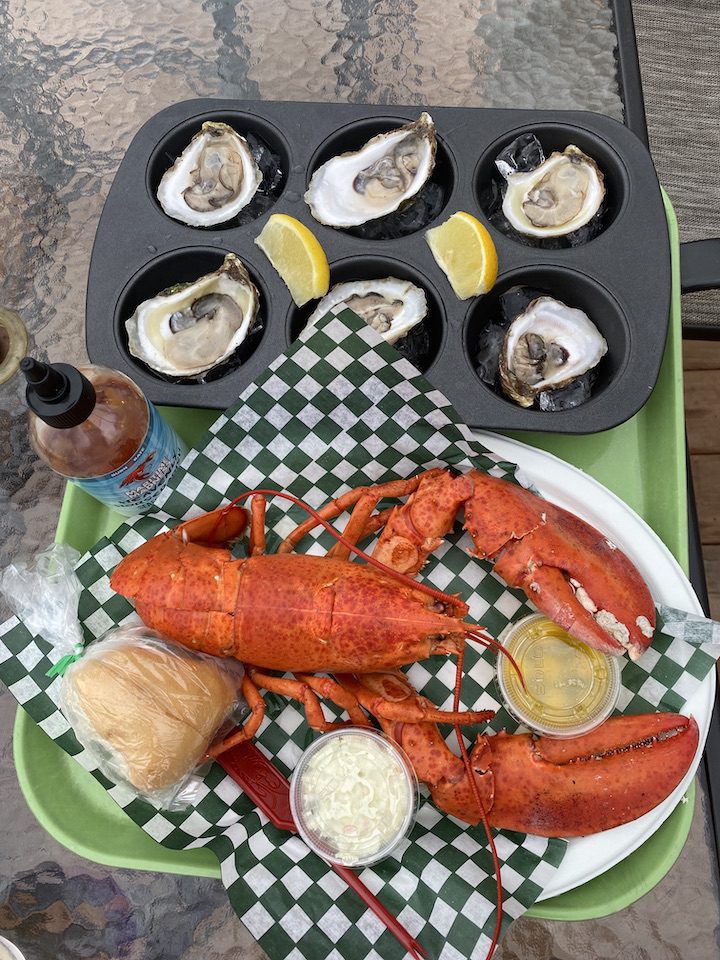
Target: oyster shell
353 188
546 347
390 306
557 197
212 180
192 327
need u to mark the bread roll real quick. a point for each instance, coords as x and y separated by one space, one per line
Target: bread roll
147 709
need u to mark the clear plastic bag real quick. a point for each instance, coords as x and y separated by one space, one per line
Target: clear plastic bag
44 594
148 710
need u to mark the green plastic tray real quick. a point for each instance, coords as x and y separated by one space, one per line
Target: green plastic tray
642 460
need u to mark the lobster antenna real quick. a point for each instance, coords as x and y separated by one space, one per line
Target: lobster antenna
484 638
483 812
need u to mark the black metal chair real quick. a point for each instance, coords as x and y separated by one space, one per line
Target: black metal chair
699 259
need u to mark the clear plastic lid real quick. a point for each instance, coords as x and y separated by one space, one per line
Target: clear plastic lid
570 687
353 796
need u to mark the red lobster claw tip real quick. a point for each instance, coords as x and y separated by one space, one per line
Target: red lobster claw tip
579 786
568 569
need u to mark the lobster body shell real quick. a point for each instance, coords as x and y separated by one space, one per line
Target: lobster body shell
323 614
286 611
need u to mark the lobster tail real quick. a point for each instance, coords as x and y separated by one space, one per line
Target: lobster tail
184 584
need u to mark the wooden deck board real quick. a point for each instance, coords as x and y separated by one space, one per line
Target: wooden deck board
702 410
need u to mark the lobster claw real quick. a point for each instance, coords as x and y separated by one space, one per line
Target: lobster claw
579 786
548 787
567 568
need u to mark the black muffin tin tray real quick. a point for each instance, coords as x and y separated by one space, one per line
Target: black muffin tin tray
621 278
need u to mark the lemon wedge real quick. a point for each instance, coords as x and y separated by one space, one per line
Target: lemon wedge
297 256
465 251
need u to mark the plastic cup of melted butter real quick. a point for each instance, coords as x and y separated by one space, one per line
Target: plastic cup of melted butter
571 688
353 796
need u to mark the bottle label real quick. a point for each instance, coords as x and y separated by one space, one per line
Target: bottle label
135 485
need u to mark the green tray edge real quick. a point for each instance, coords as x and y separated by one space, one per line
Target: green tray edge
83 521
104 833
643 869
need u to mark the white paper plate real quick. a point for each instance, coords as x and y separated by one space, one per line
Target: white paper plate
588 857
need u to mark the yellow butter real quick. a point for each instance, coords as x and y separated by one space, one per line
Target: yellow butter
570 688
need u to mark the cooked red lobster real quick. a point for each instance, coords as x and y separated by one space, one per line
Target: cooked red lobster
304 614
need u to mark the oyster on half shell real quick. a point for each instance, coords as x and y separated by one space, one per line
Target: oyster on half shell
555 198
191 327
546 347
353 188
390 306
212 180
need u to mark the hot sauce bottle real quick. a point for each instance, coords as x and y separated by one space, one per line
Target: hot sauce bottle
95 426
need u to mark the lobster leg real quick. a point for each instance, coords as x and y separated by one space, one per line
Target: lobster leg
258 506
390 697
377 522
393 488
252 724
355 526
304 690
330 689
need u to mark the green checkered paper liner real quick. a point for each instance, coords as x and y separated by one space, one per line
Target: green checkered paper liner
340 409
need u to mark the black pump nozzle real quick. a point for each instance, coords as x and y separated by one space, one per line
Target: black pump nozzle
57 393
49 384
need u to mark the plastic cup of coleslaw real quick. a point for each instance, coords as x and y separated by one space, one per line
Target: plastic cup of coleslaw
353 796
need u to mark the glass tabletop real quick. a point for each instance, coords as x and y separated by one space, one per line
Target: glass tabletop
81 77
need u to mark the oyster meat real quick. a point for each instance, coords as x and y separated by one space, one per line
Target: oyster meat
390 306
547 347
352 188
212 180
191 327
555 198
